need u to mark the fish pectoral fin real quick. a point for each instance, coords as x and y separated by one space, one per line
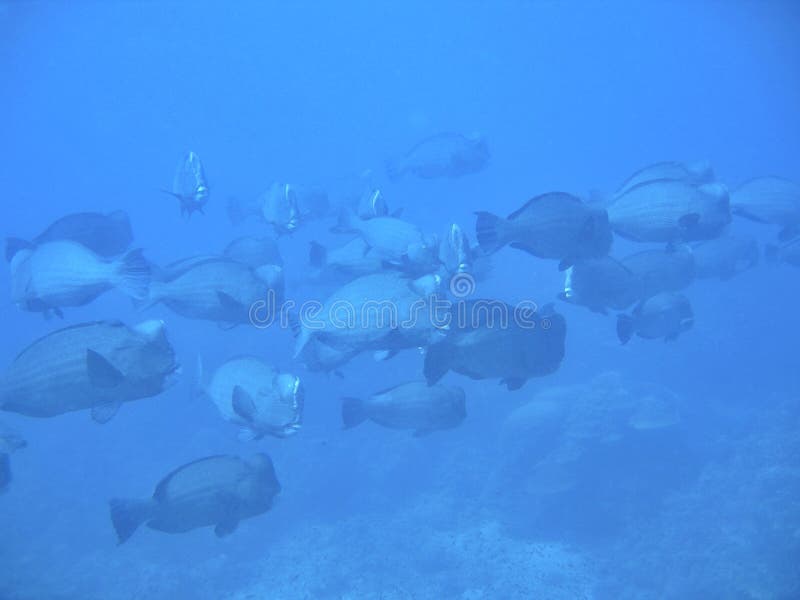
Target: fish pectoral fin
512 383
227 301
565 263
382 355
689 220
102 373
788 233
103 412
226 528
243 404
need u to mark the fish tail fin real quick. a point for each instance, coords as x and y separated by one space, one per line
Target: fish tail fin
237 211
127 515
771 254
487 230
345 222
14 245
353 412
436 364
133 275
394 170
624 328
317 255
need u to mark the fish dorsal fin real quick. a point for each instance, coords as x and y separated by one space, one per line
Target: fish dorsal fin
557 196
160 492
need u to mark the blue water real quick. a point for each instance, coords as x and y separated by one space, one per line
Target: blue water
99 100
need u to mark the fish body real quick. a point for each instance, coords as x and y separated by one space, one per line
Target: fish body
61 274
662 270
769 200
256 396
671 211
218 289
480 344
664 316
217 491
693 173
189 185
725 257
107 235
415 406
95 366
383 311
555 225
600 284
442 155
788 253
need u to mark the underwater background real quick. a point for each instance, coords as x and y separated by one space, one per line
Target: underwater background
99 101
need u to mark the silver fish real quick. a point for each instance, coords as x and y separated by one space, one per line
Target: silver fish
256 396
277 207
218 491
770 200
664 316
554 225
189 185
671 211
95 366
107 235
59 274
415 405
442 155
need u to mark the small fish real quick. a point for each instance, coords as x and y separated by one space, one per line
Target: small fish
442 155
106 235
662 270
218 491
554 225
664 316
488 339
256 396
61 274
725 257
95 366
600 284
189 185
415 405
277 207
667 211
770 200
372 204
455 252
